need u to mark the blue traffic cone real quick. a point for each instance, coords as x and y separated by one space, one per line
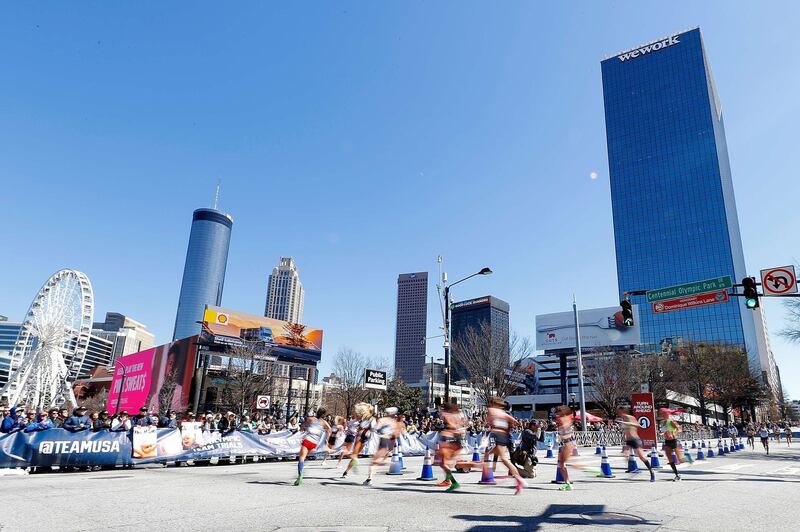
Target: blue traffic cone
427 467
476 455
400 454
700 454
598 450
395 468
710 451
694 444
687 454
487 474
559 477
549 450
720 448
633 467
703 444
605 467
725 447
655 463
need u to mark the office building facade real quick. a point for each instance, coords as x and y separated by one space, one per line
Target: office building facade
411 330
127 335
204 270
474 317
674 211
8 338
285 295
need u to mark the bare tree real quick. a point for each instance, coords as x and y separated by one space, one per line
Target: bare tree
166 392
614 379
792 331
696 363
729 376
250 373
349 368
493 364
97 402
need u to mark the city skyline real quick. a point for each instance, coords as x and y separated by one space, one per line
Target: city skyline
547 81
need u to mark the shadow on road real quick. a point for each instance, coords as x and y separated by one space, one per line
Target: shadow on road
556 514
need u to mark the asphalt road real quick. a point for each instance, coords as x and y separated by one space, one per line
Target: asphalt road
743 491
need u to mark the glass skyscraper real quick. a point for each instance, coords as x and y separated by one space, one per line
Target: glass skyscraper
204 271
412 318
674 210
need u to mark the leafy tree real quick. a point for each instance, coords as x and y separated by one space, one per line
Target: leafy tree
402 396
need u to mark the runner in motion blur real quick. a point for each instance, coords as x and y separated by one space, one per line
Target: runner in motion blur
632 441
350 435
763 433
500 424
450 443
388 430
316 429
672 449
363 412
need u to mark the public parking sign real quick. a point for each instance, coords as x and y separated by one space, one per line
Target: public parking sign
262 402
779 281
375 379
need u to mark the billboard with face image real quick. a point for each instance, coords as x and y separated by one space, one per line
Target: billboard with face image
158 379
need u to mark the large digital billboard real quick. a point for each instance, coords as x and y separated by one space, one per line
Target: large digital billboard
158 378
600 327
280 339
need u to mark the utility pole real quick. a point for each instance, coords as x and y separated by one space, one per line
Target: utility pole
579 357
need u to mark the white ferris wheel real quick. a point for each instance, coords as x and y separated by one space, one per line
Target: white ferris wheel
52 342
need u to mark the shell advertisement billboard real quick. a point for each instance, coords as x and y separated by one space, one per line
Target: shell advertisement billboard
281 339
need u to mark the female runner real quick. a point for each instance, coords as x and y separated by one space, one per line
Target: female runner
388 430
500 424
450 443
363 412
316 429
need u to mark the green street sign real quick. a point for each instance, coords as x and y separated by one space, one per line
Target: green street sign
690 289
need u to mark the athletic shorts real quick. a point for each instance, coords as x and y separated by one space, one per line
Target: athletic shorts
350 438
501 439
765 440
332 441
310 445
634 443
365 436
672 444
386 443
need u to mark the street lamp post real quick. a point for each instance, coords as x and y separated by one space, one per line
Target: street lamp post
447 336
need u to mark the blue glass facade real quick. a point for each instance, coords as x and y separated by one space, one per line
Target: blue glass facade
472 314
204 271
675 217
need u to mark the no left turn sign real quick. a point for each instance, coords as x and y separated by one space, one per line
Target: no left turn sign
779 281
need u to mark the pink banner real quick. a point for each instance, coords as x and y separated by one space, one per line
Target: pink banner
137 376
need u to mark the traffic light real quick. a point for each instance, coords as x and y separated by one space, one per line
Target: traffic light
750 293
627 313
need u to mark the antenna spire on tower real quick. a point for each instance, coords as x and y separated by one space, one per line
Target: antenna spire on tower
216 196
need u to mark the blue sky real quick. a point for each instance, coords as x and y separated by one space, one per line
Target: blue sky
364 139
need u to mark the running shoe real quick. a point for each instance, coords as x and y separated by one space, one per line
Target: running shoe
521 484
453 486
443 484
652 476
565 487
677 478
344 475
298 481
367 482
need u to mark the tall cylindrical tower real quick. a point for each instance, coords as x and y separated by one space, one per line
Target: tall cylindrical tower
204 271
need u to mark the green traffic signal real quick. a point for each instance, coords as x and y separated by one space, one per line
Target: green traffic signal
627 313
750 293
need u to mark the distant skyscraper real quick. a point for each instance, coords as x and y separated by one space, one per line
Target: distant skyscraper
285 296
675 218
8 337
204 271
126 334
472 314
412 317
